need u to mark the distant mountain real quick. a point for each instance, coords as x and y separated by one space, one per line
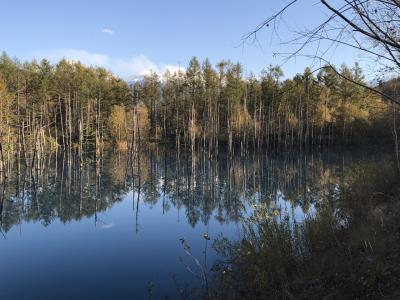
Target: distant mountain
135 79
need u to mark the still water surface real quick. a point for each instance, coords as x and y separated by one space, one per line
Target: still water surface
117 232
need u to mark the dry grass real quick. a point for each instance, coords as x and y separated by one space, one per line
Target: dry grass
349 250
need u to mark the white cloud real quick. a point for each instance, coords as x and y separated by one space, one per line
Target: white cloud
127 68
87 58
107 31
172 68
107 226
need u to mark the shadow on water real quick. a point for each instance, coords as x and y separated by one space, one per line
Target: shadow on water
266 193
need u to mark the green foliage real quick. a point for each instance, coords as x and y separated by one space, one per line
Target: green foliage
68 102
75 105
221 103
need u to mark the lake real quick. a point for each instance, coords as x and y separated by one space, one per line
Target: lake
144 228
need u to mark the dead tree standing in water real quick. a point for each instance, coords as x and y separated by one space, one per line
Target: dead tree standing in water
2 164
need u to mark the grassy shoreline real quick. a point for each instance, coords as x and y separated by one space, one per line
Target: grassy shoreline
349 250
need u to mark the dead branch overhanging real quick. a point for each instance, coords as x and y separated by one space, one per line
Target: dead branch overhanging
372 31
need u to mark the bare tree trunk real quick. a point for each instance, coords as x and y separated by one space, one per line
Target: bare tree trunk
396 141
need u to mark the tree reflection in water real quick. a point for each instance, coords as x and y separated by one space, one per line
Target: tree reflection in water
62 188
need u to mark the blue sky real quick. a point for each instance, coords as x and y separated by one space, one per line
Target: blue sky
131 37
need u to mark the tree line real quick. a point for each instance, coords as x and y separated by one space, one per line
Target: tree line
78 108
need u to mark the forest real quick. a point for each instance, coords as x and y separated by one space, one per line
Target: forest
266 165
70 106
